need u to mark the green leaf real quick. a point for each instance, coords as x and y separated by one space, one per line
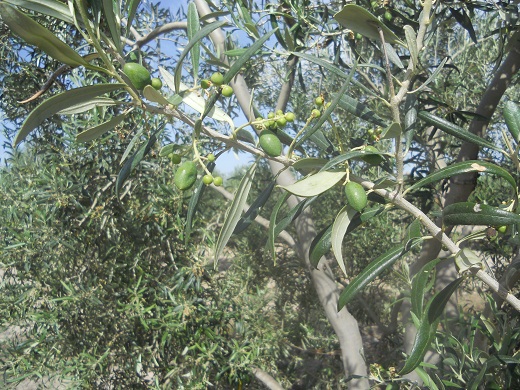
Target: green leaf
320 245
352 106
359 20
392 131
235 210
174 148
254 209
469 213
112 16
202 33
393 57
464 167
354 154
194 202
420 286
246 136
466 259
131 7
37 35
272 223
309 164
155 96
250 52
292 215
376 267
455 130
421 344
89 105
411 41
339 228
193 29
60 102
315 184
133 161
440 300
410 120
512 118
432 76
99 130
51 8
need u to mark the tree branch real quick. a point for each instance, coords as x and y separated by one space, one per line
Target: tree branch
266 379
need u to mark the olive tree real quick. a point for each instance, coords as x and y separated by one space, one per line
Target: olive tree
382 78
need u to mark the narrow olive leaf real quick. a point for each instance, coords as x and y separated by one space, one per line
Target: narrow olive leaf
133 161
315 184
469 213
113 21
37 35
174 148
440 300
476 382
235 210
334 69
272 224
411 41
202 33
194 203
410 120
89 105
137 136
427 380
327 113
155 96
512 118
193 29
420 286
320 246
393 57
51 8
432 76
392 131
60 102
464 167
309 164
250 52
292 215
421 344
455 130
360 20
99 130
354 154
246 136
339 229
352 106
193 99
253 210
466 259
131 8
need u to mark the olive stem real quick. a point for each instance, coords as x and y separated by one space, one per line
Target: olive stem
293 143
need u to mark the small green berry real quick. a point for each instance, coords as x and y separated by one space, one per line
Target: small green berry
270 115
217 180
207 179
279 112
359 36
217 78
316 113
281 122
319 101
502 229
290 116
170 155
175 158
227 91
156 83
205 84
211 157
388 16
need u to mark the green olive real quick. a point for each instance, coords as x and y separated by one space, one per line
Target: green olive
217 78
290 116
137 74
227 91
156 83
356 195
207 179
217 180
186 175
270 143
205 84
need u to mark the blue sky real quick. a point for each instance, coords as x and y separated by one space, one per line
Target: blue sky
227 162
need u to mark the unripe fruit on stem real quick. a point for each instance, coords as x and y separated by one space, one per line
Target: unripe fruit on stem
319 101
316 113
279 112
205 84
175 158
270 143
217 180
270 115
290 116
388 16
281 122
217 78
227 91
207 179
137 74
356 195
502 229
211 157
156 83
185 176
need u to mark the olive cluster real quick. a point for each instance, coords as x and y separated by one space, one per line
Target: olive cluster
269 141
186 174
217 80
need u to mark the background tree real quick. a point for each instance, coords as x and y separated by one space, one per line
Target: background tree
393 85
